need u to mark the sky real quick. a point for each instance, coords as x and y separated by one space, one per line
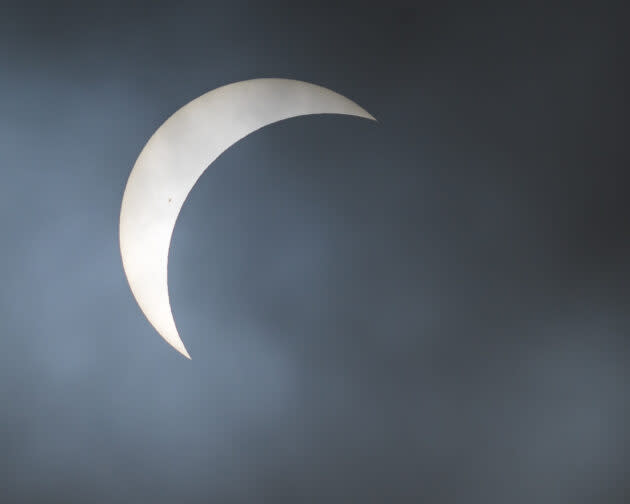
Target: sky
431 308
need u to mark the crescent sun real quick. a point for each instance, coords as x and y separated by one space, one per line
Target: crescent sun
177 155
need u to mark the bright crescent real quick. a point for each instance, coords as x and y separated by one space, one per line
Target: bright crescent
177 155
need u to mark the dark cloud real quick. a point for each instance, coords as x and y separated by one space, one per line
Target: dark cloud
428 308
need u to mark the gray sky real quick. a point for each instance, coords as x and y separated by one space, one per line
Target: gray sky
428 309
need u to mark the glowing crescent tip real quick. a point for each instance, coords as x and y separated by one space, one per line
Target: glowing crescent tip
177 155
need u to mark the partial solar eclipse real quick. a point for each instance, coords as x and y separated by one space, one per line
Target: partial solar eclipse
177 155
